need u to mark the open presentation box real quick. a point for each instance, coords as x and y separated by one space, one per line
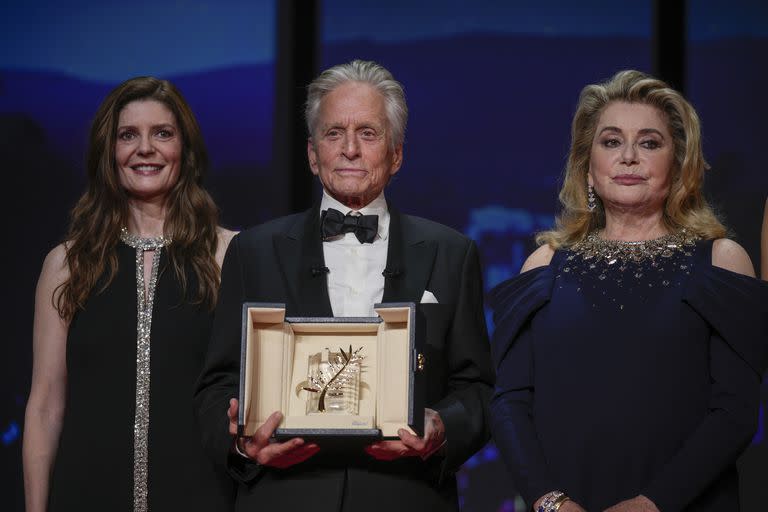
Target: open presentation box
276 355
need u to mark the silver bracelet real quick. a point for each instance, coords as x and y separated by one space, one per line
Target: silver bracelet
552 501
241 451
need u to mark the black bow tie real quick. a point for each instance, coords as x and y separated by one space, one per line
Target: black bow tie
334 223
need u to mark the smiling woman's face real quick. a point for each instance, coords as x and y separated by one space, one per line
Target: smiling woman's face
632 157
147 149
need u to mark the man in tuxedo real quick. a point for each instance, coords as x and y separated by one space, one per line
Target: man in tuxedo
347 253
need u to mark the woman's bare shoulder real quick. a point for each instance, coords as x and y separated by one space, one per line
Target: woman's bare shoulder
55 264
731 256
538 258
54 273
225 236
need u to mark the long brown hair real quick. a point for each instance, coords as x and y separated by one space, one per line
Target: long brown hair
94 230
685 206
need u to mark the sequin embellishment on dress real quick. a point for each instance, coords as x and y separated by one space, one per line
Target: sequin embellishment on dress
143 331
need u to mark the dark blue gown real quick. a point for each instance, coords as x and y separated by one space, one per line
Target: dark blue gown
626 378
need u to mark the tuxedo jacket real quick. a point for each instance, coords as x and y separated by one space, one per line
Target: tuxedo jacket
278 262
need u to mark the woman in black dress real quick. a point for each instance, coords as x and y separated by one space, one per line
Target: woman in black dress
629 351
123 311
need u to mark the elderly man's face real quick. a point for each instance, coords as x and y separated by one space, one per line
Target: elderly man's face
350 150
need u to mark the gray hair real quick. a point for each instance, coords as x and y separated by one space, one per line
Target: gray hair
368 72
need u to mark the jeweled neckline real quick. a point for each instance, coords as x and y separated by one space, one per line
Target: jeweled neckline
138 242
593 246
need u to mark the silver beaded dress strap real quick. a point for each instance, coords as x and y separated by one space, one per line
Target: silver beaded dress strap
143 330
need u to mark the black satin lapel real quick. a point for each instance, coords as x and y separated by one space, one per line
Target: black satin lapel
409 263
287 250
313 274
300 255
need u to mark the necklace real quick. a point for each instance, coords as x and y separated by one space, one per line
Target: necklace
593 246
145 244
143 331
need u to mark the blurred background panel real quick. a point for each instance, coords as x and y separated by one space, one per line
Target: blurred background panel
727 45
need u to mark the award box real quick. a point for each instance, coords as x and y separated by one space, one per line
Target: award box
375 388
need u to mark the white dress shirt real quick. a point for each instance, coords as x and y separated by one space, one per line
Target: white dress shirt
355 280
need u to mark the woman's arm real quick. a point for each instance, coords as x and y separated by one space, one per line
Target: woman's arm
731 421
716 443
511 407
513 429
45 406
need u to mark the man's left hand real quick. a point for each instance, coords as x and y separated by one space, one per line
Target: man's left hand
636 504
410 445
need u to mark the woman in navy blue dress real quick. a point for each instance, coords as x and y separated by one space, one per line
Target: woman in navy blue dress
629 351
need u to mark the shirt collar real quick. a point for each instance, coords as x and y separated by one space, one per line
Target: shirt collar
376 207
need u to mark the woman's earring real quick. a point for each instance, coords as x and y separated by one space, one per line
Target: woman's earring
591 201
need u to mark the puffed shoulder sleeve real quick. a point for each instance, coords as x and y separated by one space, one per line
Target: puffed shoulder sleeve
736 306
514 302
736 309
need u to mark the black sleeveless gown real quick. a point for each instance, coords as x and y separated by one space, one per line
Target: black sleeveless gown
94 463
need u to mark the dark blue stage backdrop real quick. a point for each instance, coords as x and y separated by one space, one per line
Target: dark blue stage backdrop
727 45
491 85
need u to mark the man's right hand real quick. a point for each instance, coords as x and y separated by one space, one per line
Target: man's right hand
260 448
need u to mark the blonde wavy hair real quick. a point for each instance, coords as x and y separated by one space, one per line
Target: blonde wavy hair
685 206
